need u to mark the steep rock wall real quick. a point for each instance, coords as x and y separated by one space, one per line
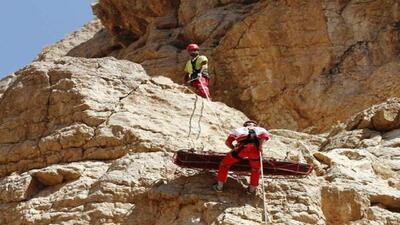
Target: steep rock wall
300 65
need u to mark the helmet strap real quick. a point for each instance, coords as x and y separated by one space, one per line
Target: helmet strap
194 54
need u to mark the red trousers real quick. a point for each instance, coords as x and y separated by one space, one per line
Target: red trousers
250 152
201 86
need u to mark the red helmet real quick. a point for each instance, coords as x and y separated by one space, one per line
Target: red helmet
192 47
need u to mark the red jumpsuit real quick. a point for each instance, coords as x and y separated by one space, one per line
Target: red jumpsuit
248 151
201 87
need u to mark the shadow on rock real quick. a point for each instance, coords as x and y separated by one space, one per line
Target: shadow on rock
189 200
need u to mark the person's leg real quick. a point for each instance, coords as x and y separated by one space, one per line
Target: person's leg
224 166
201 86
255 174
205 82
252 153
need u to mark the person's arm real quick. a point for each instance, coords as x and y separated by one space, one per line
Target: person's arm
187 70
229 142
261 144
204 67
203 64
186 78
263 137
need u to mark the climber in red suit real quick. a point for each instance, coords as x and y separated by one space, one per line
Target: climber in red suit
246 143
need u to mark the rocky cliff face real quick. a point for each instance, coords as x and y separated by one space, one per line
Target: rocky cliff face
303 64
90 141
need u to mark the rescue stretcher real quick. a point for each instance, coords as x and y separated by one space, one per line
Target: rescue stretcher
208 160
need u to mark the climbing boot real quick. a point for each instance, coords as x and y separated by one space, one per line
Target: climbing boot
217 187
251 190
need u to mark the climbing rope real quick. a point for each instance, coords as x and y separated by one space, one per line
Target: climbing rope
263 189
212 110
191 117
266 219
193 144
201 114
198 122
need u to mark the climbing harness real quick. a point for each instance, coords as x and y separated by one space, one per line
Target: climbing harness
250 139
195 72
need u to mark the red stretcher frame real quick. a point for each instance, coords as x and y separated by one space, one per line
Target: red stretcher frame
208 160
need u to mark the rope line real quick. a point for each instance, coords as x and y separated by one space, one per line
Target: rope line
198 122
213 111
190 124
202 107
263 189
266 219
191 116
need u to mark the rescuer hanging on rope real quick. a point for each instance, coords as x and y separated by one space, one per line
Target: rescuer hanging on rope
196 69
249 140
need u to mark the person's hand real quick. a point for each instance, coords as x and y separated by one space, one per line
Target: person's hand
233 150
185 80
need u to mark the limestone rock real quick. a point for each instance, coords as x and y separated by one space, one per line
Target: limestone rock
86 34
16 188
354 164
353 139
390 156
122 128
392 138
5 82
90 141
73 109
382 117
56 175
341 206
48 177
104 109
55 204
367 130
316 61
376 213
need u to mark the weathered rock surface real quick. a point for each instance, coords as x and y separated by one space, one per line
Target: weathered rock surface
376 129
304 64
90 141
73 109
87 34
382 117
16 188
